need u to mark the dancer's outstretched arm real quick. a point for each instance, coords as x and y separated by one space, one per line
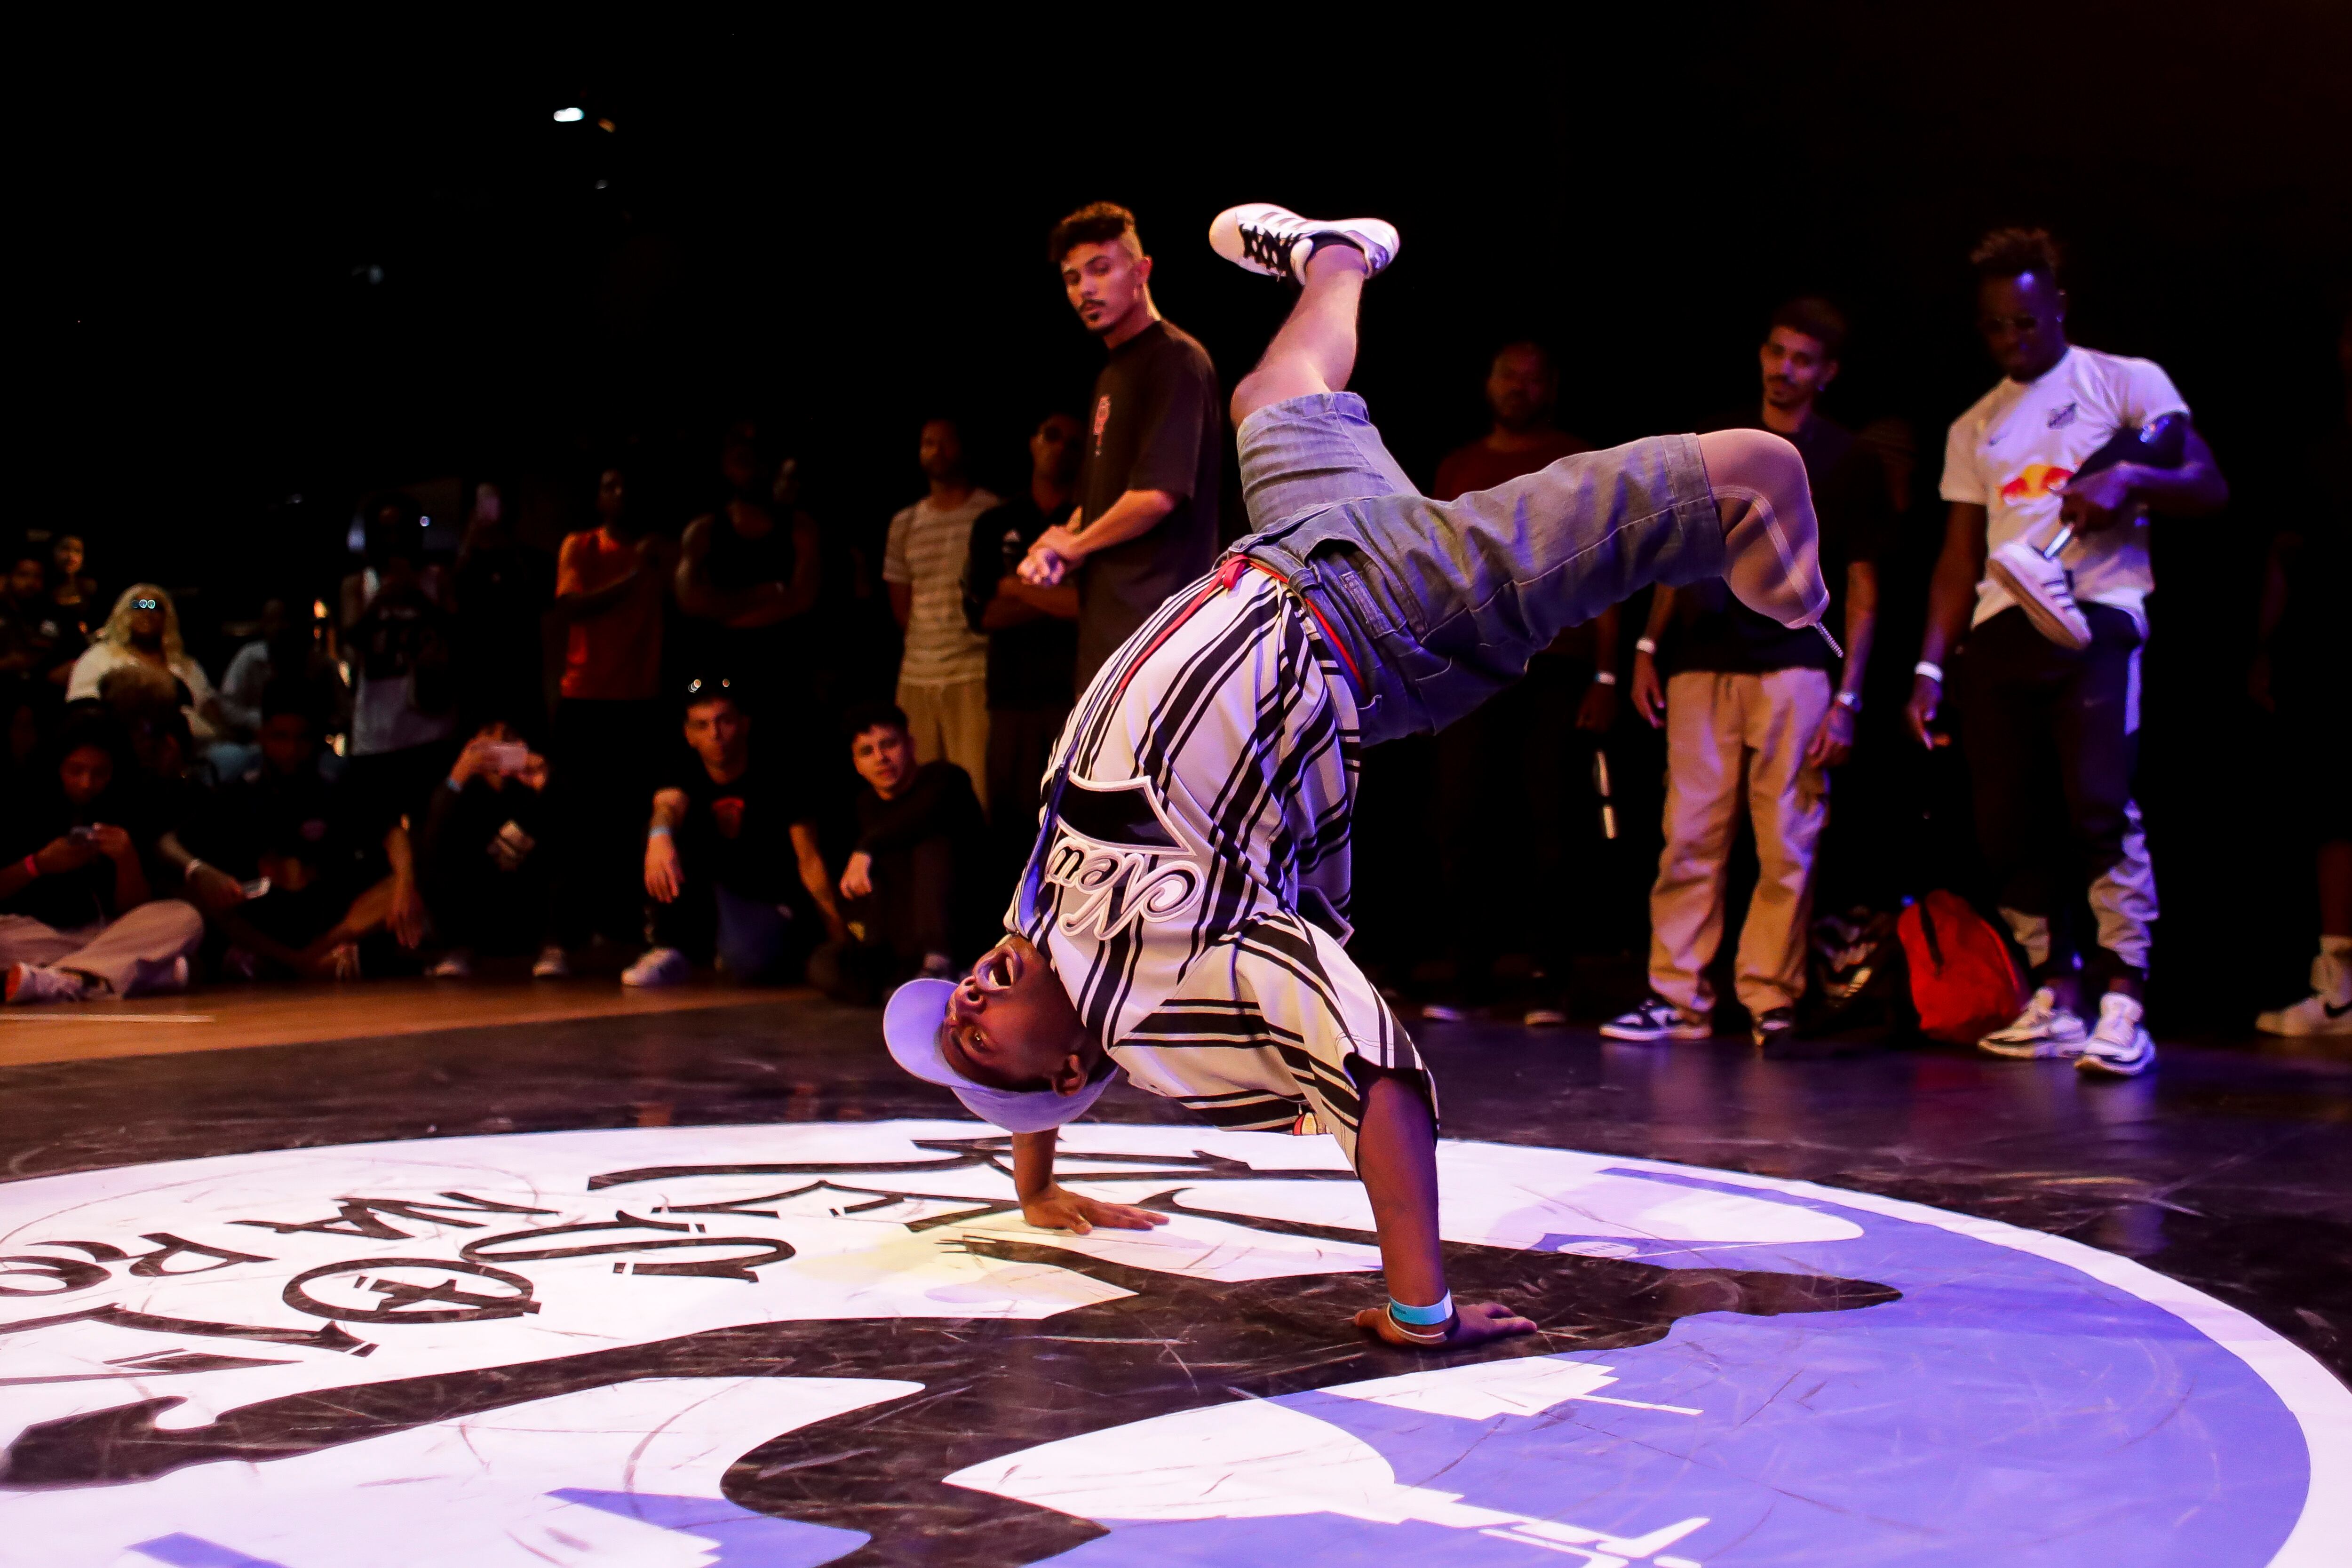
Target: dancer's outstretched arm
1396 1155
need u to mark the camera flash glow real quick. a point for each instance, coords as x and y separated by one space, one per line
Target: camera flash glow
569 116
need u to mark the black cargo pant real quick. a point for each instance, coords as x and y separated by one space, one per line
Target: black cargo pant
2051 751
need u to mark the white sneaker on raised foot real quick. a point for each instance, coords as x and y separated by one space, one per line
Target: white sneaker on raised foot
1276 241
456 963
31 983
2044 1029
553 964
659 966
2326 1011
2038 583
2120 1044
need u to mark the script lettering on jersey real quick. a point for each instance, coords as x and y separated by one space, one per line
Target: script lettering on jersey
1117 859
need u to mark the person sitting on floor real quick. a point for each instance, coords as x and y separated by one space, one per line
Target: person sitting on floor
285 865
484 856
910 886
77 914
732 860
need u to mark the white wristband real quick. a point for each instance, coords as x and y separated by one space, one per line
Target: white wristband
1645 645
1930 668
1605 678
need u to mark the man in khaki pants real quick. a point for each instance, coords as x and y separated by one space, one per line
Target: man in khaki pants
1755 716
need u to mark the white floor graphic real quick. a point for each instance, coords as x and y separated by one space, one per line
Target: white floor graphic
163 1330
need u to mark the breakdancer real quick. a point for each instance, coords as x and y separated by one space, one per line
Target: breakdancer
1182 915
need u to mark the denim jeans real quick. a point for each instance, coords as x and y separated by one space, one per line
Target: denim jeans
753 937
1440 604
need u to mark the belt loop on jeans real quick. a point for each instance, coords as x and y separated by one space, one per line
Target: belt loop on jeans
1230 573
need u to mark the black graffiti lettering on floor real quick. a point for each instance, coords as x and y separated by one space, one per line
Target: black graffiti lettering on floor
363 1216
992 1386
765 1249
75 1275
444 1300
991 1153
330 1338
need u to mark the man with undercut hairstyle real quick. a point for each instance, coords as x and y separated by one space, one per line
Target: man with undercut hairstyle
2045 569
1183 916
1145 522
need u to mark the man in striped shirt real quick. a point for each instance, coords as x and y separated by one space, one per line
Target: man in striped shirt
1183 914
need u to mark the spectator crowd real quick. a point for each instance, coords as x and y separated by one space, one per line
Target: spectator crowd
733 740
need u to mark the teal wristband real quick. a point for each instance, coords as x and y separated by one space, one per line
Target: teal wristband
1422 1317
658 830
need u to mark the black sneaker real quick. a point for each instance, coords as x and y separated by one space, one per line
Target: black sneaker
1657 1019
1775 1026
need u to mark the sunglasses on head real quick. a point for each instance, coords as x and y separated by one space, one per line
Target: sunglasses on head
146 604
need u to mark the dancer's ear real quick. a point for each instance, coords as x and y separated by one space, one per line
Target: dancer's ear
1070 1077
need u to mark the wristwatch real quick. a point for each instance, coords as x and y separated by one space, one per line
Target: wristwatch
1849 701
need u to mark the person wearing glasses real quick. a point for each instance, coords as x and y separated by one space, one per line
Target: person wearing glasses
145 629
2045 570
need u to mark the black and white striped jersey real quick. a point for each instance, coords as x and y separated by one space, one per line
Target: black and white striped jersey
1192 881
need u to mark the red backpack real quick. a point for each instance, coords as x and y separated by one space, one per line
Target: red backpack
1963 981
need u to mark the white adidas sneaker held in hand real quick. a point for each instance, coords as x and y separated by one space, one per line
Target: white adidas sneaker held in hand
2035 578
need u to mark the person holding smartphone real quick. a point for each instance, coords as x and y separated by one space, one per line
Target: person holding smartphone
485 864
78 918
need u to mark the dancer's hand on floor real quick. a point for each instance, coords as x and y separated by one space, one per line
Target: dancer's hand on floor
1059 1208
1474 1324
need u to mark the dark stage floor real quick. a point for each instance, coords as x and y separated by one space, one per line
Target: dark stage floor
755 1301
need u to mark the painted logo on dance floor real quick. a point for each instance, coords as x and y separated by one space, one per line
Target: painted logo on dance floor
777 1347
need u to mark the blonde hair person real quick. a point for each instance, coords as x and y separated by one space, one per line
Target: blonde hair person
145 629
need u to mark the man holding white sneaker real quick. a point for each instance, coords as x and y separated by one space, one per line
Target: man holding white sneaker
2045 568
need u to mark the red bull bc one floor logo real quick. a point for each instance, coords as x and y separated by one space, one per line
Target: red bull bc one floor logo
778 1347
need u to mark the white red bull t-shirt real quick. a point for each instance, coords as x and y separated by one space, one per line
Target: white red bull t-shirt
2014 451
1191 886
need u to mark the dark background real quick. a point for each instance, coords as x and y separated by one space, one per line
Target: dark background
278 263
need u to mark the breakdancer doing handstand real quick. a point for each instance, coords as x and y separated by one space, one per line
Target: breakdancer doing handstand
1182 915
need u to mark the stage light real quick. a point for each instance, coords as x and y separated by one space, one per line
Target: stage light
569 116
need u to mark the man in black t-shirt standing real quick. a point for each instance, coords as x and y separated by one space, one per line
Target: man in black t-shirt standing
732 860
1147 517
1756 714
1032 638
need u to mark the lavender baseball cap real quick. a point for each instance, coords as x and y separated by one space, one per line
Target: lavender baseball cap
910 1023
